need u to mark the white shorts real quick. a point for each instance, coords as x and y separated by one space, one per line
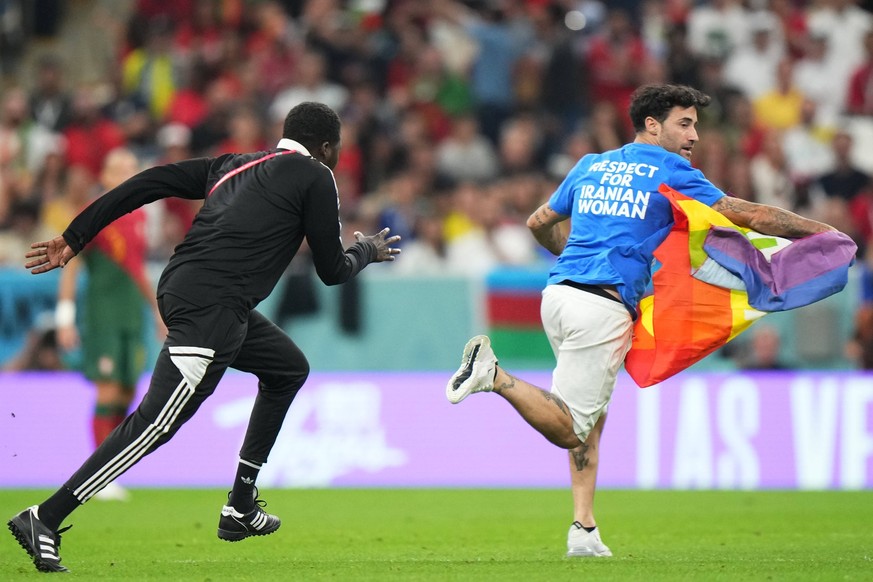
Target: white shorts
590 336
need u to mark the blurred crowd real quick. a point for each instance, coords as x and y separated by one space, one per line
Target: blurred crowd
460 118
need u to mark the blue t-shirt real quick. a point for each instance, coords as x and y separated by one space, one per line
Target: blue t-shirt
618 218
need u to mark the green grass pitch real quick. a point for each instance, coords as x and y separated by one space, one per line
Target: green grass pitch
459 534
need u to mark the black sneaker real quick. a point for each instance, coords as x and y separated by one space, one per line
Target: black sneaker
235 526
40 542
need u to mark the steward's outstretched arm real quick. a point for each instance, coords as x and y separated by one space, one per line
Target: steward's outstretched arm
187 179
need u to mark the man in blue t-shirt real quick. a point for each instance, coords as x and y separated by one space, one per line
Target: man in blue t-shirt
618 219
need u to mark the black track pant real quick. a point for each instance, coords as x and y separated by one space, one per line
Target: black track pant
201 344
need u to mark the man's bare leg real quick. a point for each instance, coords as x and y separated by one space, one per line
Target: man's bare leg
583 475
542 410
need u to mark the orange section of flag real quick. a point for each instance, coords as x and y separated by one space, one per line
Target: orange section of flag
684 319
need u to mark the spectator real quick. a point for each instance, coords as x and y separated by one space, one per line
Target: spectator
654 23
807 146
40 350
845 180
860 346
409 42
493 241
189 105
523 194
683 65
460 219
744 133
421 159
528 71
212 129
137 128
751 67
817 78
426 253
466 154
149 72
739 178
780 108
845 25
605 127
274 45
50 102
501 44
14 177
23 142
437 92
349 171
717 28
615 58
770 179
763 350
175 10
857 217
575 145
520 145
860 90
22 228
199 38
792 19
49 182
13 36
400 205
712 156
310 84
78 188
563 93
90 135
245 133
711 72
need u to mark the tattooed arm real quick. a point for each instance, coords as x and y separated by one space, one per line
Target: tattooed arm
768 219
544 223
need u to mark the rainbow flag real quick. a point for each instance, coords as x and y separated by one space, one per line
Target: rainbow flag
713 280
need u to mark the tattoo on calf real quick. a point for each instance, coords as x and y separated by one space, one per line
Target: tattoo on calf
580 457
505 385
558 402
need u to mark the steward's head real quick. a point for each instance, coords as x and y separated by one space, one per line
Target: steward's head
317 127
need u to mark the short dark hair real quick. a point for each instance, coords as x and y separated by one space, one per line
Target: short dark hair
312 124
657 100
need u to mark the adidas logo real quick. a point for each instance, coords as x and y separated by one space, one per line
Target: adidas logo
247 480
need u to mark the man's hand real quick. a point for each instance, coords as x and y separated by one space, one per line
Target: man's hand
48 255
384 252
68 337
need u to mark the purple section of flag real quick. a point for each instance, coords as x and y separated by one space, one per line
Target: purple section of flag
694 431
806 271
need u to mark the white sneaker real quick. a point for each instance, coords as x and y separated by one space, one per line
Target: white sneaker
584 544
476 373
113 492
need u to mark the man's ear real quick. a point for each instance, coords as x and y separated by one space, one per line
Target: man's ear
325 149
653 126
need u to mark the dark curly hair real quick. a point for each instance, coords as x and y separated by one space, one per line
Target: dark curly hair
312 124
657 100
